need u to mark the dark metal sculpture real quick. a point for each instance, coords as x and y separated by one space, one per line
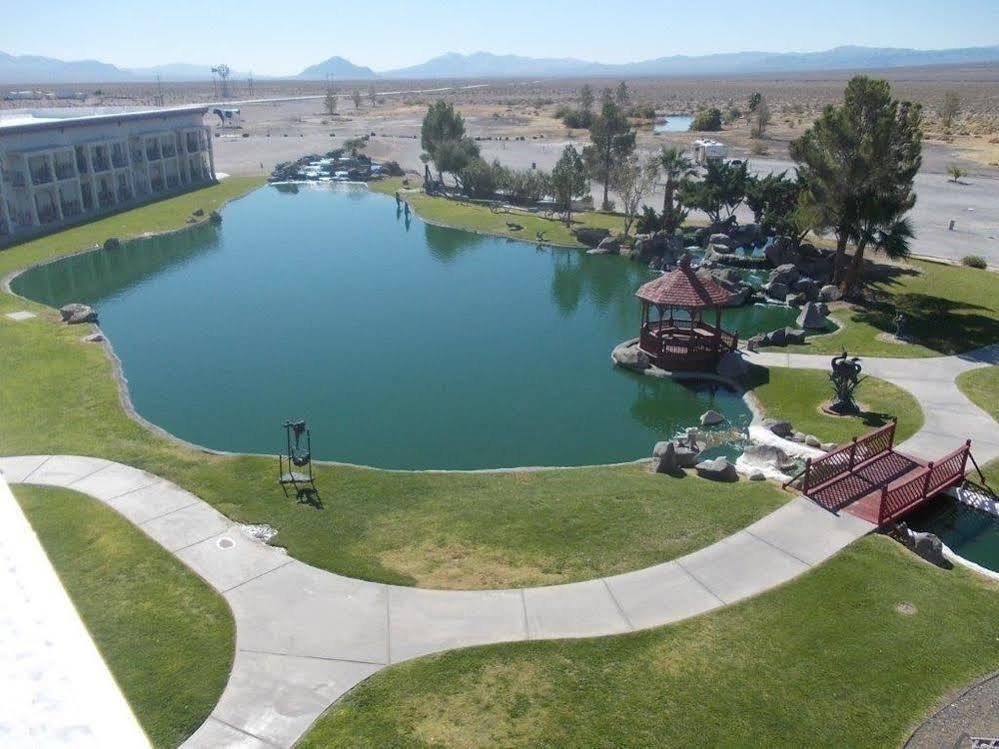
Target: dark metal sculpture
845 377
295 467
900 323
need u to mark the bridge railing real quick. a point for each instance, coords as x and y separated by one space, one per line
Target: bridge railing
904 494
844 459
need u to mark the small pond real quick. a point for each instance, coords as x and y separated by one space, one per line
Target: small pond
405 345
674 123
968 532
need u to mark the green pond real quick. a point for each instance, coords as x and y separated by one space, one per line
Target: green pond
404 345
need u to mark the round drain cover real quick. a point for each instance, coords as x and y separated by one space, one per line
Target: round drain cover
226 543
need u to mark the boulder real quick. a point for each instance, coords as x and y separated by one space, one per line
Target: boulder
591 237
757 476
812 441
793 336
76 313
929 547
711 418
745 234
720 249
755 343
740 296
660 448
631 356
768 455
795 299
93 338
112 243
610 243
777 337
798 437
722 240
785 274
777 291
687 457
813 316
781 251
666 462
732 366
830 293
806 286
778 427
719 469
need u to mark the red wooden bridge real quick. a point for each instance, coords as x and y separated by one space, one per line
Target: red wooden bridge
870 479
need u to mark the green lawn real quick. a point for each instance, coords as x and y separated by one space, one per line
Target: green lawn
478 218
950 309
796 395
982 388
825 661
167 637
432 529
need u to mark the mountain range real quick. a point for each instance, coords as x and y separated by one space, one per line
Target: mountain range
48 70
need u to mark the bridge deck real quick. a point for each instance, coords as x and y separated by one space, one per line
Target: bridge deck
859 492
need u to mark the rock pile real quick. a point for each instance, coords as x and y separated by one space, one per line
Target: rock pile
76 313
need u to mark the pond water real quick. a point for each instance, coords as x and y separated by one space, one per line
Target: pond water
674 123
968 532
404 345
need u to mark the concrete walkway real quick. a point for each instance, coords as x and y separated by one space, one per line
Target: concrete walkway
949 418
305 636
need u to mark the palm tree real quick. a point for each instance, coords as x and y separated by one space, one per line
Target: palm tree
675 168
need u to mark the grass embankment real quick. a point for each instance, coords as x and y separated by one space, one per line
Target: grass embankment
832 659
796 395
479 218
446 530
167 637
949 309
982 388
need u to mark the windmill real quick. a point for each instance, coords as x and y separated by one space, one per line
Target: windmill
222 71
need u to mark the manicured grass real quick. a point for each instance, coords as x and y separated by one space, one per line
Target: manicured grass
432 529
950 309
478 218
796 395
167 637
153 218
982 388
827 660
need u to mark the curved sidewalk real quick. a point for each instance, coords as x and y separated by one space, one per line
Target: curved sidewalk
305 636
949 418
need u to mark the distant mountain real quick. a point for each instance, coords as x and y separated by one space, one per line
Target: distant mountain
35 69
18 69
339 68
486 65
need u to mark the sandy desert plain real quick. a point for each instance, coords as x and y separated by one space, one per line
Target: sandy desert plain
514 122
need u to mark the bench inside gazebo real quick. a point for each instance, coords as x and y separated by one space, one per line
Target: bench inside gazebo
675 333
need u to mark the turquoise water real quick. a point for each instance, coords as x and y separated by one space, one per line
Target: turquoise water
403 344
969 533
674 124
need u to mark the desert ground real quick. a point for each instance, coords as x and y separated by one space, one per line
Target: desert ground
514 122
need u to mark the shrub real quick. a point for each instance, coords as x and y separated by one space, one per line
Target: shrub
478 179
757 148
707 120
112 243
642 112
649 222
974 261
392 169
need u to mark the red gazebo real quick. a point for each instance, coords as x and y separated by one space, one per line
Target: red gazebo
677 337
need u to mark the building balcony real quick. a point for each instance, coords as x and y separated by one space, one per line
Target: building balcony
173 181
137 156
71 209
41 176
64 171
101 165
157 185
119 161
169 152
152 154
15 179
105 199
48 215
5 230
81 165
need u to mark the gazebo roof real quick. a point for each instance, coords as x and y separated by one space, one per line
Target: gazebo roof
682 288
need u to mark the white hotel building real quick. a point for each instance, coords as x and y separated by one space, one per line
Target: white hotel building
58 167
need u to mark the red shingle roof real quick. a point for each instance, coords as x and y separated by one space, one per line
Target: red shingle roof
682 288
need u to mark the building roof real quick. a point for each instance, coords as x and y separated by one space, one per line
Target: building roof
682 288
20 121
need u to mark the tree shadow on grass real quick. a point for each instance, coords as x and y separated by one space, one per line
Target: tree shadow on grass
942 325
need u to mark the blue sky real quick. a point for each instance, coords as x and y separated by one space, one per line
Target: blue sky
280 38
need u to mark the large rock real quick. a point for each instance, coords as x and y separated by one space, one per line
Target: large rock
785 274
777 291
732 366
745 234
813 316
722 240
720 249
793 336
929 547
768 455
76 313
687 457
830 293
610 243
778 427
777 337
629 355
591 236
781 251
806 286
711 418
718 469
666 462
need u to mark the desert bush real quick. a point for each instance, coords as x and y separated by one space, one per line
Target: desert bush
479 178
707 120
974 261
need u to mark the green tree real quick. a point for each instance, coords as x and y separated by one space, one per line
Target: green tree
632 181
707 120
611 141
950 108
479 179
760 119
442 137
955 172
355 96
774 202
675 168
569 180
329 99
586 98
372 96
622 95
858 162
720 192
355 145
